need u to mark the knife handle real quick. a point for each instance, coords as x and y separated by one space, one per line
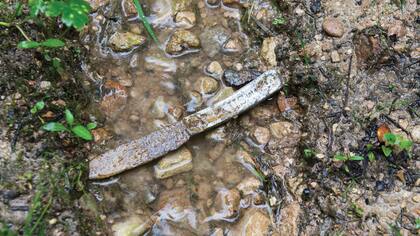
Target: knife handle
246 97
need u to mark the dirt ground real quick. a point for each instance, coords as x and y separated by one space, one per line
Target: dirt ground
311 160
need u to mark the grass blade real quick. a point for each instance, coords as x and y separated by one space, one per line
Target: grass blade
145 21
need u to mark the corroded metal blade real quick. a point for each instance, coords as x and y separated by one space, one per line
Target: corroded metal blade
160 142
140 151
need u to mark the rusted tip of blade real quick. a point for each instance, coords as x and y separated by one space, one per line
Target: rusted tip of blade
138 152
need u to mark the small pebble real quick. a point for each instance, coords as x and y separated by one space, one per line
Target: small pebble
333 27
335 57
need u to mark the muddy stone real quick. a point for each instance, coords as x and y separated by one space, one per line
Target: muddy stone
206 85
290 219
235 78
282 129
124 41
248 185
185 19
174 163
182 40
416 134
254 223
194 101
261 135
131 226
333 27
115 98
215 69
268 52
335 57
226 205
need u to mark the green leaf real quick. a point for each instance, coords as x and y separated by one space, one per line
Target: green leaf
57 65
35 6
369 146
74 13
37 107
340 157
417 223
356 158
390 138
146 23
54 127
69 117
52 43
371 156
28 44
386 150
91 126
82 132
406 145
54 8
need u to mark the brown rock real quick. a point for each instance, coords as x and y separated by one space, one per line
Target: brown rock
398 29
206 85
182 40
286 103
282 129
115 98
124 41
261 135
255 222
226 205
333 27
290 219
268 51
382 130
185 19
100 134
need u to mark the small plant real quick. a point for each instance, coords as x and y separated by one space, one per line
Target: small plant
395 142
280 20
37 107
73 13
49 43
345 157
6 231
308 153
356 210
76 129
417 223
371 155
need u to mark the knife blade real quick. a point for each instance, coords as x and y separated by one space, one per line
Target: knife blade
171 137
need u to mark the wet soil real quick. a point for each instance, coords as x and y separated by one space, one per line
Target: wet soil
350 66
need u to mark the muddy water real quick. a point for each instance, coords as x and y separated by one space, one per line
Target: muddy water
149 89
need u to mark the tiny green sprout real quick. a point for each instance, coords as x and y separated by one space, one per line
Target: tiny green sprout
340 157
356 158
145 21
37 107
371 156
417 223
77 130
279 20
49 43
358 211
308 153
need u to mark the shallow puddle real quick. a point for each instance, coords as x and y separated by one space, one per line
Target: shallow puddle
146 88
